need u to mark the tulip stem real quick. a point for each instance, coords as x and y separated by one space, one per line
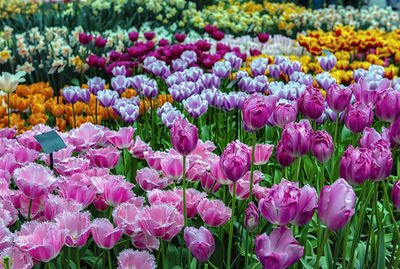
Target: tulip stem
360 219
123 162
73 113
228 261
334 141
30 209
298 164
184 190
48 264
96 110
69 256
246 258
163 254
212 265
109 259
321 248
322 179
78 262
8 109
346 233
252 167
91 112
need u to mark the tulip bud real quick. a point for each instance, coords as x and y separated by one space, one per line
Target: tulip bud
257 109
200 242
251 217
296 138
282 157
358 116
336 203
235 161
279 250
396 194
338 98
355 165
184 136
311 103
321 146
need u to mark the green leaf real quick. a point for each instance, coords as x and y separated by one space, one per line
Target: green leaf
305 264
90 260
193 265
172 256
75 82
233 83
205 133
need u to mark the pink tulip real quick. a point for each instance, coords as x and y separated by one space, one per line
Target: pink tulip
158 197
20 259
56 205
262 152
104 234
34 180
321 145
24 155
154 158
58 156
162 221
139 148
358 116
280 205
184 136
9 163
79 192
8 213
193 198
97 172
279 250
104 157
235 161
172 166
307 203
257 109
336 203
217 174
121 139
196 168
200 242
117 191
251 217
242 189
396 194
129 259
149 179
214 212
71 166
77 226
371 137
144 241
37 205
296 138
125 216
8 132
85 137
43 241
6 237
209 184
99 203
282 156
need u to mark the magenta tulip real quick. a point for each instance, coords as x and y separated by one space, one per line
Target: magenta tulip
184 136
307 203
262 152
355 165
214 212
338 98
381 162
121 139
279 250
358 116
311 103
394 131
387 105
296 138
257 109
321 146
335 206
77 226
396 194
281 156
285 113
104 157
252 217
104 234
235 161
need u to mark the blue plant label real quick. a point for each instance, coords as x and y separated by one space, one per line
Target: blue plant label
50 141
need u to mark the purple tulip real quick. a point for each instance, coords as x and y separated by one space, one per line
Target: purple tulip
327 62
133 36
355 165
210 80
200 242
168 118
324 80
84 95
222 69
338 98
184 137
234 60
149 89
258 66
149 35
129 113
96 84
180 37
285 112
280 204
251 218
387 105
282 157
71 94
274 71
119 71
193 74
288 68
335 206
100 42
260 83
120 83
263 37
396 194
321 146
85 39
279 250
307 203
195 105
382 162
189 56
257 109
311 103
235 161
371 137
179 65
358 116
107 97
296 138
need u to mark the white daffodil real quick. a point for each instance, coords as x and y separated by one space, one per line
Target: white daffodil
9 82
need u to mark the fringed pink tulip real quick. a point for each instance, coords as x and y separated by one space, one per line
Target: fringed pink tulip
77 226
6 237
117 191
144 241
139 148
71 166
20 259
193 198
129 259
262 152
56 205
104 157
85 137
121 139
125 216
79 192
149 179
214 212
43 241
104 234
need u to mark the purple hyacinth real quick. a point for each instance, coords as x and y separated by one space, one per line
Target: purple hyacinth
96 84
120 83
107 97
195 105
